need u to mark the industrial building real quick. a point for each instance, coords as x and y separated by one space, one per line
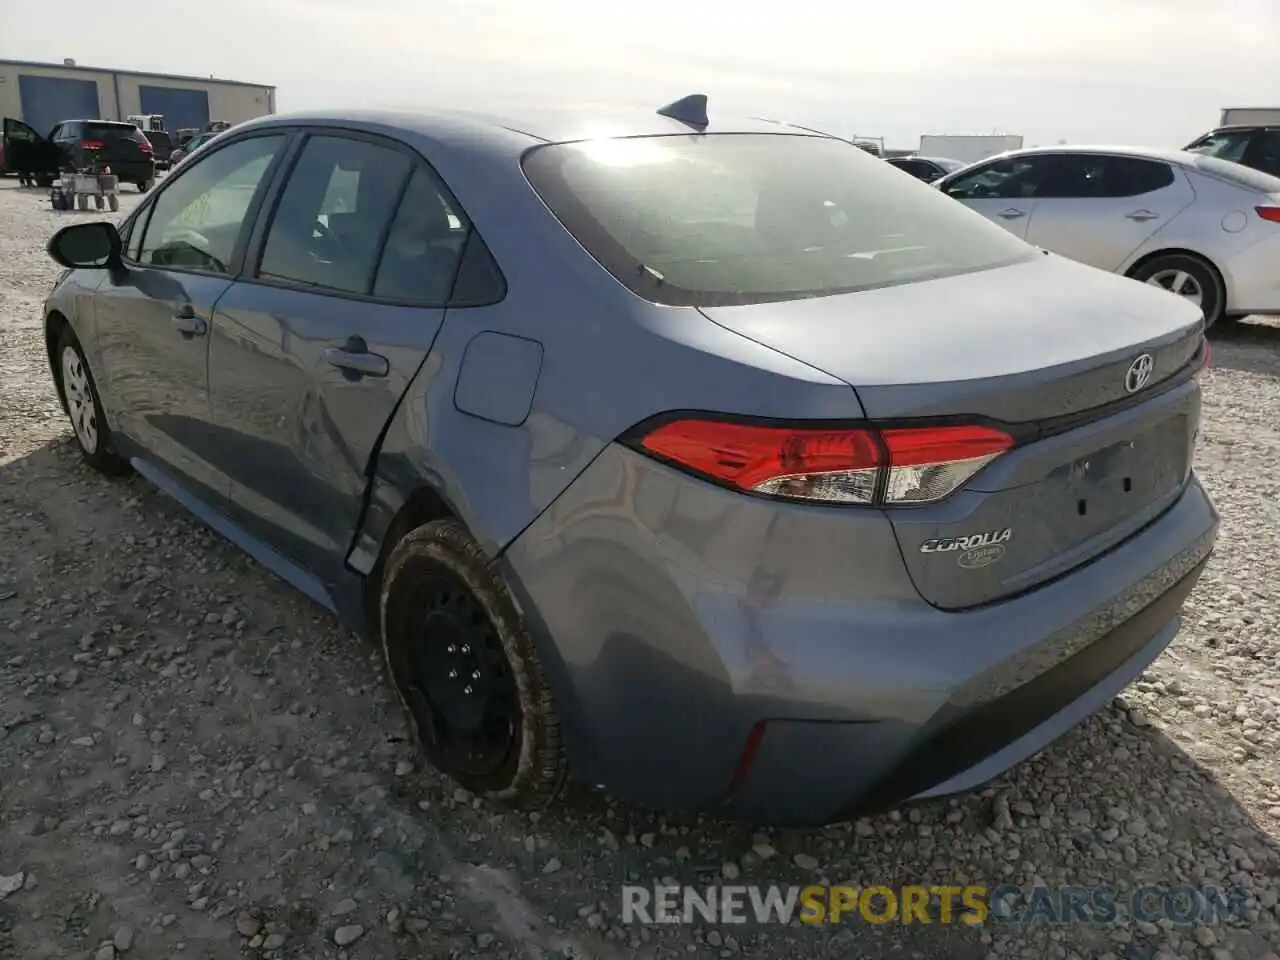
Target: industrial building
43 94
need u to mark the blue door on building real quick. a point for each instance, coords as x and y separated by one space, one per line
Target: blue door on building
180 108
50 100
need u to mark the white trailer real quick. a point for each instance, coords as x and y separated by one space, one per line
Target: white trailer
1249 115
967 149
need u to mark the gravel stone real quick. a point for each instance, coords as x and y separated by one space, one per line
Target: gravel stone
344 936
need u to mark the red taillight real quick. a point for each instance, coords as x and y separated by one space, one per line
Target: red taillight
833 465
145 146
1269 213
927 464
91 144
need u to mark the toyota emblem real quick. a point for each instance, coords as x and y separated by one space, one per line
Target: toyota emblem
1138 374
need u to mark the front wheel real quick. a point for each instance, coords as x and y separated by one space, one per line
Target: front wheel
80 395
1188 277
464 667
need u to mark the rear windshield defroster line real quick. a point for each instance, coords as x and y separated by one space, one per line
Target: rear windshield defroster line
728 219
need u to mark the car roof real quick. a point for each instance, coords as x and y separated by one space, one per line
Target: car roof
1240 128
522 128
1178 157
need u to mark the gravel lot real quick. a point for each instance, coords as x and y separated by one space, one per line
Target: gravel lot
197 762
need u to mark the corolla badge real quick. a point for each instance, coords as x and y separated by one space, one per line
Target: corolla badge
977 550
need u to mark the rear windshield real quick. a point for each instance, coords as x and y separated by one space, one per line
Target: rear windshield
113 131
723 219
1238 174
160 137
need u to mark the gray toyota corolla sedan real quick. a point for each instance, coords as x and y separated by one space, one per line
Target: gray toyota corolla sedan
716 464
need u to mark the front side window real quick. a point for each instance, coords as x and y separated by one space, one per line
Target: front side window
327 230
198 219
726 219
1014 178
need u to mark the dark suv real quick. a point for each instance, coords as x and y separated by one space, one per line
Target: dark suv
95 144
162 147
1252 145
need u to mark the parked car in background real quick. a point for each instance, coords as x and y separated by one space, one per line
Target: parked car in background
84 144
927 169
733 471
1199 226
191 146
162 147
1256 146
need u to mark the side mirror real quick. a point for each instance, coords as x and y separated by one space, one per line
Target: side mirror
86 245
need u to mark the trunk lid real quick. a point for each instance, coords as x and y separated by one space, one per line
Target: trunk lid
120 141
1049 349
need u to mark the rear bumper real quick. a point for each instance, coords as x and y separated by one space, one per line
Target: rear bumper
132 171
678 622
1253 277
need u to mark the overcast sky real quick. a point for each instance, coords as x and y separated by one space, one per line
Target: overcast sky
1114 71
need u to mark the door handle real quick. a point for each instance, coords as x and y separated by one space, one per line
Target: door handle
1143 215
1010 214
187 323
355 360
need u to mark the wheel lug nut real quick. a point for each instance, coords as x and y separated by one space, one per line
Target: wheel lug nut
466 648
467 690
475 674
452 649
453 674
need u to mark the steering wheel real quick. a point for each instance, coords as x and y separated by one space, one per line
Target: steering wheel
327 239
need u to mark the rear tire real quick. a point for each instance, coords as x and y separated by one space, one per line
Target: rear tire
1187 276
464 668
80 396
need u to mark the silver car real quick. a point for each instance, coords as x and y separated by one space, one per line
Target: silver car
1204 228
712 462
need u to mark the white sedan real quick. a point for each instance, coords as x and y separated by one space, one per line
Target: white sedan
1203 228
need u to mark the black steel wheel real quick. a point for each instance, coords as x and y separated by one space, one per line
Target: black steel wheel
465 670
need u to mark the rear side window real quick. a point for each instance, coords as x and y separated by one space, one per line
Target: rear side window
1099 177
335 211
750 218
1264 152
427 239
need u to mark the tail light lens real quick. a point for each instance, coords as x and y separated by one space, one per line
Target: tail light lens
144 146
929 463
1269 213
91 144
815 463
